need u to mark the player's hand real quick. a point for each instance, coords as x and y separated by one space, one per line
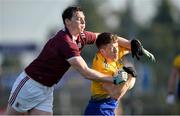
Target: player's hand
170 99
130 70
122 76
136 49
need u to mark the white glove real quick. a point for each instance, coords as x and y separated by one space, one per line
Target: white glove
120 77
170 99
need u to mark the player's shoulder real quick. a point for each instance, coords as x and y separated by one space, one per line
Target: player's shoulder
98 60
122 52
177 58
88 32
98 57
176 61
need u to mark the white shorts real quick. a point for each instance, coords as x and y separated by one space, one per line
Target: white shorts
27 94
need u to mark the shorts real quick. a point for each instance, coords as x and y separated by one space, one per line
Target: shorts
27 94
101 107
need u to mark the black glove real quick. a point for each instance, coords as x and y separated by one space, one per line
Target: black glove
130 70
136 48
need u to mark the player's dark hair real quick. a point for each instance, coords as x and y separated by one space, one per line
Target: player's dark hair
68 12
104 39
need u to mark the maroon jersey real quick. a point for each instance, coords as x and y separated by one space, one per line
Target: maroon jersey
49 67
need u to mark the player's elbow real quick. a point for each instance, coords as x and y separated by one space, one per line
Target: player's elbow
85 72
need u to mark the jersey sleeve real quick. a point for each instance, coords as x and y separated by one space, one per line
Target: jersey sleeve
176 61
90 37
122 52
96 64
69 49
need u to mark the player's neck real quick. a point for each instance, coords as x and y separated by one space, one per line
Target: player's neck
105 57
73 33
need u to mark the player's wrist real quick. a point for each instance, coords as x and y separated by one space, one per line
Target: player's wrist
148 54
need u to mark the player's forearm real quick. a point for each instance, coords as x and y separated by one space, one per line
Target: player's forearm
172 80
96 33
124 43
131 81
126 86
96 76
80 65
123 90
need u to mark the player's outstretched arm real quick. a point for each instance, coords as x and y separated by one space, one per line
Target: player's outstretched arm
170 99
123 42
80 65
136 48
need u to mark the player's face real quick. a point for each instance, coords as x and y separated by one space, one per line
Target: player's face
111 51
78 22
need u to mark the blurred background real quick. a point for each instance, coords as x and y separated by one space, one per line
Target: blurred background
26 25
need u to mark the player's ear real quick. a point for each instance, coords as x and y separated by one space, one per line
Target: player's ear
67 22
102 51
